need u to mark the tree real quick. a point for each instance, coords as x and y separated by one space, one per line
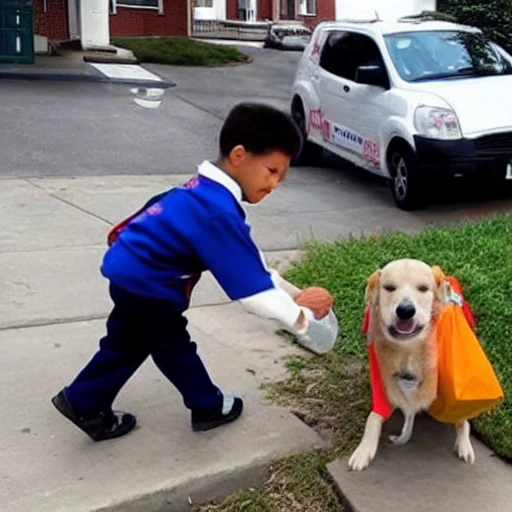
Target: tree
494 17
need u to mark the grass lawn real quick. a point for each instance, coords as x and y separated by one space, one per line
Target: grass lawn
331 392
180 51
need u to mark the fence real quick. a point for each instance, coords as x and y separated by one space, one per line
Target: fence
241 30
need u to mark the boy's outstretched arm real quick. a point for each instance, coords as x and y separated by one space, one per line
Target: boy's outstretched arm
229 252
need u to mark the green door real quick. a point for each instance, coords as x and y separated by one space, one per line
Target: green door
16 31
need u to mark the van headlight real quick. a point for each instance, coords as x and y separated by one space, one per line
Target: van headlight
437 123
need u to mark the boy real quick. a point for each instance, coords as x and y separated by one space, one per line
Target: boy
157 259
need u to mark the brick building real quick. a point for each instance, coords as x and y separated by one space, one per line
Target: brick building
51 19
94 21
149 18
309 12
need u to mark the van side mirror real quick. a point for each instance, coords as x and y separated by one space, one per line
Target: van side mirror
372 75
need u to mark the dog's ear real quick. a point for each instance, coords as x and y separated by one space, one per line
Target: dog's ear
371 285
440 290
439 275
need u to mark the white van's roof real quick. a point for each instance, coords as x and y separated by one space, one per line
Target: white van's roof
387 27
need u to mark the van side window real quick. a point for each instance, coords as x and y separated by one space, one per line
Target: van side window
333 58
344 52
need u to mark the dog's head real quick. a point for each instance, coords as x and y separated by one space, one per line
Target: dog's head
405 298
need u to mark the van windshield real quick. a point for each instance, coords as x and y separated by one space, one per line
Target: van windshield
438 55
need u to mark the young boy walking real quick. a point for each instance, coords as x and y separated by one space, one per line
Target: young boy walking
159 256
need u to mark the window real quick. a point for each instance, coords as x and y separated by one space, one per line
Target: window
307 7
138 3
445 54
204 3
287 10
344 52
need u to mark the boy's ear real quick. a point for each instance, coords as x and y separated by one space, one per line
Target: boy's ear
371 285
439 275
237 154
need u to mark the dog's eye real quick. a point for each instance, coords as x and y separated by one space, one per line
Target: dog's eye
423 288
390 288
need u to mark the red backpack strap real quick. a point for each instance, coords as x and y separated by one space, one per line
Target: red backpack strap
116 229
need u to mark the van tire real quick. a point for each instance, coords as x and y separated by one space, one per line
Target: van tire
311 153
406 184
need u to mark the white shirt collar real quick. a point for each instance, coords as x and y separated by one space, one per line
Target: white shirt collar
212 172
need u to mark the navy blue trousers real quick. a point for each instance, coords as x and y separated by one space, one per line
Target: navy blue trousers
139 327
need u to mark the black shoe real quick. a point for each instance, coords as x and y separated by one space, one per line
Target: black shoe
105 426
206 419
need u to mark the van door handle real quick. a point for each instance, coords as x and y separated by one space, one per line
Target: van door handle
346 88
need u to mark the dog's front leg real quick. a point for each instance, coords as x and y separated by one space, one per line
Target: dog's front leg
367 448
463 447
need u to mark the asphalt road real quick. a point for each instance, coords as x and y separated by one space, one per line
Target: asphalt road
80 129
73 129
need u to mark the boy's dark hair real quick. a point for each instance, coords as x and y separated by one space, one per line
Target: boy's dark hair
259 129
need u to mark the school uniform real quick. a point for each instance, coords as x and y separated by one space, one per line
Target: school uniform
153 267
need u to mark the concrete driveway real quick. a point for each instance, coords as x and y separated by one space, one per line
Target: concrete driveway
268 78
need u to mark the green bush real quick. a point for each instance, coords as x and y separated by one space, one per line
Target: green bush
494 17
180 51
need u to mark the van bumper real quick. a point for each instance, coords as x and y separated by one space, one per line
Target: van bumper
487 157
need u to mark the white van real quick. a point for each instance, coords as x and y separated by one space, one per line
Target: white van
413 100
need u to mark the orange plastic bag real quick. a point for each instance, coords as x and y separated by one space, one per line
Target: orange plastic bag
467 384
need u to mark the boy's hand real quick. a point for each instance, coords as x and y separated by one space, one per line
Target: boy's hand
317 299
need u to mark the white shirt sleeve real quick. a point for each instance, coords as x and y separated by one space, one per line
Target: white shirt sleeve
276 304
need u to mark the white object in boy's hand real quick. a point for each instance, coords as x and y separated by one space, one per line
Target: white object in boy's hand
320 335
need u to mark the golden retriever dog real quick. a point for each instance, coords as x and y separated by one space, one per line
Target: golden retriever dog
405 299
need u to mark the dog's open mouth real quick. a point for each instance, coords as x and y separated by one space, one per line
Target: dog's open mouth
404 328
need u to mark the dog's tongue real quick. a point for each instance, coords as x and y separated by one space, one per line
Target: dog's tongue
405 326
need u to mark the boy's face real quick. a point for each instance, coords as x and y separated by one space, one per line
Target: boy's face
258 175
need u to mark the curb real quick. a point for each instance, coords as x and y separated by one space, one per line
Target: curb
106 59
77 77
201 490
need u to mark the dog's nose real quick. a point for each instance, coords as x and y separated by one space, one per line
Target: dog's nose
405 310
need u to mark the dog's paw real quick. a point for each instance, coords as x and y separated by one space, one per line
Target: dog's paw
464 450
361 458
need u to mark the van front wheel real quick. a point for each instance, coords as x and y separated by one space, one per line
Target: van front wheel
407 186
311 153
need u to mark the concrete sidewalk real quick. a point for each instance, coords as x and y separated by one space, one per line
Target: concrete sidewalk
53 467
425 475
82 66
54 303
